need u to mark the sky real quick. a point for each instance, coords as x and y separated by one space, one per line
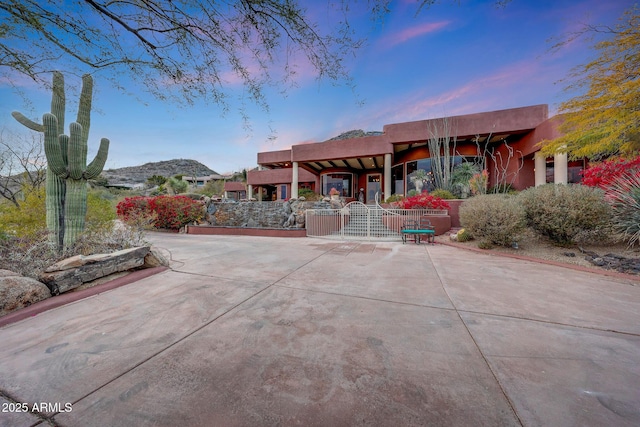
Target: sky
452 58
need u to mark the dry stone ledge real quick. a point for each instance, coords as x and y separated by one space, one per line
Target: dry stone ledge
72 272
18 292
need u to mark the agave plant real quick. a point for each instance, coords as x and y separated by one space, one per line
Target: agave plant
624 196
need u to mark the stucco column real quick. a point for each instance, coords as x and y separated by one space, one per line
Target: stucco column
541 168
294 180
260 193
249 191
560 168
387 177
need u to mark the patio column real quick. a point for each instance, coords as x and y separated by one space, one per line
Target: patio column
294 180
387 177
560 168
249 191
540 168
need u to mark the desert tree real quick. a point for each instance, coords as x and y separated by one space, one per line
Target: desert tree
604 118
22 165
184 50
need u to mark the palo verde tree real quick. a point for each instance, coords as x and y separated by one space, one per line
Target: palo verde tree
67 169
182 49
604 119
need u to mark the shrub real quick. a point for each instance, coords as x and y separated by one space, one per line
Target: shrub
624 196
494 219
605 173
26 219
308 194
175 211
442 193
562 212
100 210
170 212
424 201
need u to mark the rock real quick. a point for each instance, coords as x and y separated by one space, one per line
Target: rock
155 259
17 292
73 272
569 254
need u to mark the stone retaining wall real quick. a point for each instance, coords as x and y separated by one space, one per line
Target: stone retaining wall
259 214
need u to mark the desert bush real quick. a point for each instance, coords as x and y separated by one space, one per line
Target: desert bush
563 212
308 194
624 196
26 219
493 219
442 193
100 210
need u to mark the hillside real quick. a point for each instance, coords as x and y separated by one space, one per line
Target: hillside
139 174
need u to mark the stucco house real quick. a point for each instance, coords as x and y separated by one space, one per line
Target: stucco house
504 142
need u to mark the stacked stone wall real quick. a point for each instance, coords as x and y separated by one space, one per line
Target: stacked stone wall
261 214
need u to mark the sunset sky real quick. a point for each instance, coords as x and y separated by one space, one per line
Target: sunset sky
450 59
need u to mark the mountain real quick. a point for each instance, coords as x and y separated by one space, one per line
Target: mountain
139 174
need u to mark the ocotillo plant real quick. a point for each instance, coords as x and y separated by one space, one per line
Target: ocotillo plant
67 171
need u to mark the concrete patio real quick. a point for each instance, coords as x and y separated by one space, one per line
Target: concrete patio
259 331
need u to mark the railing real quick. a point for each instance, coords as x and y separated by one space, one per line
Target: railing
357 221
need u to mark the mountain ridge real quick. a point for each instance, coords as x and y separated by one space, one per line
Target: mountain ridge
131 175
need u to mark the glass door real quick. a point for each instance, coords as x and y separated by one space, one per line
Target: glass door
373 187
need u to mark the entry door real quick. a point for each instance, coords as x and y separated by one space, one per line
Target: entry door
373 186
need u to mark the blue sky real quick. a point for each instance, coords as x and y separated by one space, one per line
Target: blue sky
450 59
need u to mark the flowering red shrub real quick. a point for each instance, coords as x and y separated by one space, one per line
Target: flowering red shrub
175 211
603 174
171 212
133 206
424 201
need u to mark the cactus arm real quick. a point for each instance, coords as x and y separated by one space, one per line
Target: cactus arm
52 145
95 167
84 109
58 100
23 120
77 151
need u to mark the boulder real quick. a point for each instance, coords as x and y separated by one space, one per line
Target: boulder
17 291
155 259
72 272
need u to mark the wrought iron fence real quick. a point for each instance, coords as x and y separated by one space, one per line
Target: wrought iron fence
357 221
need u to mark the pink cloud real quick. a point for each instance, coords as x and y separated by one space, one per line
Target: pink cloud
413 32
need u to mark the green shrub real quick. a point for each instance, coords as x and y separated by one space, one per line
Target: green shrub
100 210
442 193
26 219
563 212
308 194
494 219
624 196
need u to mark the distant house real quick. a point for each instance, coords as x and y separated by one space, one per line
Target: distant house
235 190
201 181
504 142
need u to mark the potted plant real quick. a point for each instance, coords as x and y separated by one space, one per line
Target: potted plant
335 194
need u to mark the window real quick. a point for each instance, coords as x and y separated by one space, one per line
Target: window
397 179
340 181
283 192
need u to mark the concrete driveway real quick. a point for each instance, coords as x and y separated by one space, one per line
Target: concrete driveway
255 331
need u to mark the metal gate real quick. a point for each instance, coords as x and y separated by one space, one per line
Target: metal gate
357 221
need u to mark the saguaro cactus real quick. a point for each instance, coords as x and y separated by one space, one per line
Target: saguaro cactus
67 171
